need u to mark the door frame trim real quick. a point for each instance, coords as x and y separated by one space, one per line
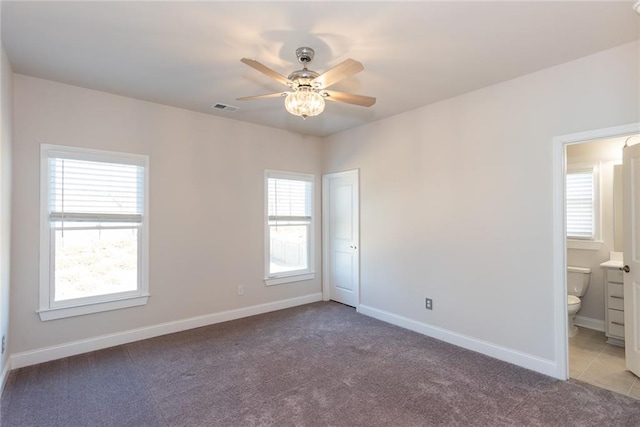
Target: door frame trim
561 339
325 232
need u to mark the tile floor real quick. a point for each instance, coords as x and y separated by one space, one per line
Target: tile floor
593 361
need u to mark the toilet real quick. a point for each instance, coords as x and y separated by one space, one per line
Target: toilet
578 279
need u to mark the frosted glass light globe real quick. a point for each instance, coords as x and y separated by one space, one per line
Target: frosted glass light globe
304 102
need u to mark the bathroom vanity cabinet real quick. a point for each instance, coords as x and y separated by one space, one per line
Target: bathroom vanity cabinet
614 305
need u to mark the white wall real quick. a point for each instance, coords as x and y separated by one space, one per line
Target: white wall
6 76
606 153
457 199
206 205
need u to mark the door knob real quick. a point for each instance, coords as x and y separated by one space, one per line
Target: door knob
626 269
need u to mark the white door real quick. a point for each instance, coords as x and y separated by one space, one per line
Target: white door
631 227
341 237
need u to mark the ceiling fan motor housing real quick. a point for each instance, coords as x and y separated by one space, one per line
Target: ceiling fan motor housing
302 77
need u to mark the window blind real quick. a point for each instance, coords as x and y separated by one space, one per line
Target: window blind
580 194
83 190
289 200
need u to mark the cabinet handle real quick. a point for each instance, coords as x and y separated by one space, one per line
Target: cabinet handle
617 323
613 296
626 269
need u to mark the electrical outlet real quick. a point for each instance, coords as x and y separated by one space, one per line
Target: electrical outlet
3 344
240 290
428 304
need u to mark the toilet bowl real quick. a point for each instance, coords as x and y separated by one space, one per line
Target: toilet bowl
573 306
578 279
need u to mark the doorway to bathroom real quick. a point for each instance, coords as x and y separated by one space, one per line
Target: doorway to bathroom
592 237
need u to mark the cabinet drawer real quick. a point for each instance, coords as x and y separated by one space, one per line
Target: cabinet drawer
615 294
615 302
615 290
616 323
614 276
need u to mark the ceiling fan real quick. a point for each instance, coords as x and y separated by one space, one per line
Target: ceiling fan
308 89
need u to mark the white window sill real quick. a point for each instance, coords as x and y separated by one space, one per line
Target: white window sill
288 279
79 310
591 245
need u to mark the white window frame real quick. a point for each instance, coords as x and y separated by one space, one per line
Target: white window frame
595 242
50 309
297 275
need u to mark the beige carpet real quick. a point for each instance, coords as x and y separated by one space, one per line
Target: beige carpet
316 365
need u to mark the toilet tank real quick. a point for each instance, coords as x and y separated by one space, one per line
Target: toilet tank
578 279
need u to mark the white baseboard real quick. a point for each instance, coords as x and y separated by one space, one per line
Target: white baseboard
46 354
589 323
4 375
528 361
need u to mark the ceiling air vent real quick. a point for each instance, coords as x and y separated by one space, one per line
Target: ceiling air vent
225 107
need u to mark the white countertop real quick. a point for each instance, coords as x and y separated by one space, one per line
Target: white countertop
612 263
615 260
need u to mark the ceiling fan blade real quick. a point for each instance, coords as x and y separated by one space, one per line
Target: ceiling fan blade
348 98
266 71
266 96
341 71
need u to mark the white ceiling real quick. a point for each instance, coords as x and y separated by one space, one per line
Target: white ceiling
187 54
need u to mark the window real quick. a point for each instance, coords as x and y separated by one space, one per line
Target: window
582 203
289 227
93 231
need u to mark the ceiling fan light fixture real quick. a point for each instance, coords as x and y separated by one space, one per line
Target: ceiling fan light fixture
307 89
304 102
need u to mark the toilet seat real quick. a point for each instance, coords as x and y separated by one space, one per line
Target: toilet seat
573 300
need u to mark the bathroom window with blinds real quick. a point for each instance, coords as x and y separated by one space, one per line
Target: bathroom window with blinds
289 227
94 236
581 196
